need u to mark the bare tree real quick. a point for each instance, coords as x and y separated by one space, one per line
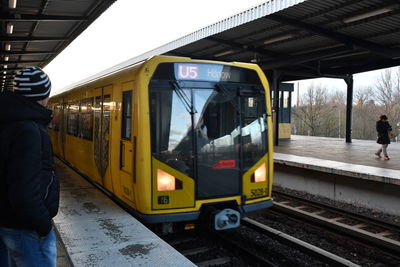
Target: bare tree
321 113
387 93
314 114
364 114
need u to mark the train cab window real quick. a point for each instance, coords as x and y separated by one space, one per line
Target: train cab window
126 115
86 119
73 118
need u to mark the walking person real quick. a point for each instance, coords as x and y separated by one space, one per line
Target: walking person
383 127
29 186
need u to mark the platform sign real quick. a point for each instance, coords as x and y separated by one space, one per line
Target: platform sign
205 72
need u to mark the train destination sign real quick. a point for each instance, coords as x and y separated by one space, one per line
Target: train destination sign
205 72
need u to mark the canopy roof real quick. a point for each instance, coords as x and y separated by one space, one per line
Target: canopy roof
306 39
33 32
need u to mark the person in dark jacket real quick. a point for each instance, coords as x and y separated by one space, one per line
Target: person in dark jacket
29 186
383 127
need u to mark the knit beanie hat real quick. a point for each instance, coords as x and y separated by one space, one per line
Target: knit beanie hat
32 83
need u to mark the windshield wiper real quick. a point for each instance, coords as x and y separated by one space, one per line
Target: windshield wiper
184 98
225 92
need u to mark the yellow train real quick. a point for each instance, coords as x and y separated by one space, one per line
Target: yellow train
172 137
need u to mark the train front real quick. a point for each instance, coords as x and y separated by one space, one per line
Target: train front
210 142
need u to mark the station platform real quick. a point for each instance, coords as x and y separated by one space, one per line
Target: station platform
94 231
344 172
360 152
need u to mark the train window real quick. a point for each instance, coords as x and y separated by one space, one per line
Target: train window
73 118
55 122
51 125
86 119
126 114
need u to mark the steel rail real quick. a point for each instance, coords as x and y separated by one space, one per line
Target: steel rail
248 254
356 231
298 244
355 216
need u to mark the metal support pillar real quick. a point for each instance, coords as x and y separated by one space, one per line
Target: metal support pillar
349 106
275 88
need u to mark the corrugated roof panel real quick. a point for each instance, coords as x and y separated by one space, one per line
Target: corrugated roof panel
301 45
22 29
69 8
41 46
54 28
372 27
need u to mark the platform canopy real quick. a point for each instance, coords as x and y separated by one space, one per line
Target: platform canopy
305 39
33 32
299 38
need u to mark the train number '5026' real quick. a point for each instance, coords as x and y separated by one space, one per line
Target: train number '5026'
258 192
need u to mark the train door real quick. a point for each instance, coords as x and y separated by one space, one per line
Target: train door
127 143
102 125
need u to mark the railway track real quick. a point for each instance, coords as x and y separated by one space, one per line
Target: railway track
370 231
320 254
212 248
219 249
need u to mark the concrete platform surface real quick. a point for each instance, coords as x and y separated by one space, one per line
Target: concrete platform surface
359 152
96 232
388 176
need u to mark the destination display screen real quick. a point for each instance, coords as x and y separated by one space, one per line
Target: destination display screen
205 72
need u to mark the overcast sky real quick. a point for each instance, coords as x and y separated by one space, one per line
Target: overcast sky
130 28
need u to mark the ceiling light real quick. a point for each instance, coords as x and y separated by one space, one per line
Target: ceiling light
224 53
279 38
6 58
367 15
12 3
8 47
10 28
5 66
4 72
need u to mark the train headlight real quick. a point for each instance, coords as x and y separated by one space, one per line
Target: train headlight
260 175
165 181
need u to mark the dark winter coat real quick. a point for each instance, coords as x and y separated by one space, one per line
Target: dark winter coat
29 186
383 128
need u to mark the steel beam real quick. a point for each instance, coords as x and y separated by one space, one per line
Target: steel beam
23 53
275 88
342 38
39 18
302 58
349 107
21 62
247 47
4 39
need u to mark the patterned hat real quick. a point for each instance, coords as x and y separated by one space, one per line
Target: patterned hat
33 83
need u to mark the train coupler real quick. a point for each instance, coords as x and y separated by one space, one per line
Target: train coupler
226 219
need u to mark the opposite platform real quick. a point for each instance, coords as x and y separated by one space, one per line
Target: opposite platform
333 169
359 152
96 232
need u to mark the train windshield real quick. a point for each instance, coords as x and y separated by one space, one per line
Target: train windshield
209 124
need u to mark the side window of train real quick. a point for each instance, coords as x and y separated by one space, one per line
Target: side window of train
55 122
126 115
86 119
73 118
51 124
